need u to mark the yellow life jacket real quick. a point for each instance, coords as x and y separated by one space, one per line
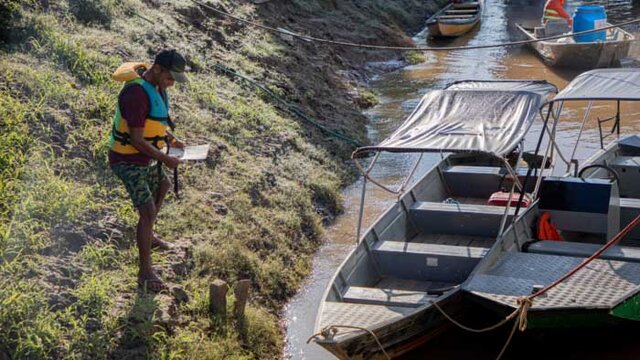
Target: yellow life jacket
155 126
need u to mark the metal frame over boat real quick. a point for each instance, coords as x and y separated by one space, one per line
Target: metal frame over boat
588 207
380 301
455 19
565 52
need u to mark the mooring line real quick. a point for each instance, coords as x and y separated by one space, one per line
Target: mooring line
407 48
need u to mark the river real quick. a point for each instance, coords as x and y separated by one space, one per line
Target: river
399 92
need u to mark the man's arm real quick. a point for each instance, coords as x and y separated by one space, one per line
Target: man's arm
174 141
138 141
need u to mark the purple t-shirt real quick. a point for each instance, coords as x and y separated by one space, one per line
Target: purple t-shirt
134 107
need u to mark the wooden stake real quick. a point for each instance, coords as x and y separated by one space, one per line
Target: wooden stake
218 297
241 292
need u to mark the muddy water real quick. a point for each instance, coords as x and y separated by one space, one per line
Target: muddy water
399 92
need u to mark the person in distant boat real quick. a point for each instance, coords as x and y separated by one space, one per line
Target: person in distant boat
554 10
140 129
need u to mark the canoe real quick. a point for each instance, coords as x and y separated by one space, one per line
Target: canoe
588 207
454 19
419 252
567 53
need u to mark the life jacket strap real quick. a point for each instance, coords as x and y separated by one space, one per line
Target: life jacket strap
125 139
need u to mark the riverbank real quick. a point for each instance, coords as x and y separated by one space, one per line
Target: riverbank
255 209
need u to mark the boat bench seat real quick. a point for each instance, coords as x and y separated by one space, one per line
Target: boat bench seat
485 179
455 16
460 219
426 262
469 11
575 249
628 170
387 297
629 209
465 5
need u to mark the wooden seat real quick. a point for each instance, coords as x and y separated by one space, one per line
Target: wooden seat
461 12
628 171
387 297
426 262
469 5
575 249
486 180
455 16
462 219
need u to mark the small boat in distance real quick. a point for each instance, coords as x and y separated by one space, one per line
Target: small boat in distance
381 299
565 52
455 19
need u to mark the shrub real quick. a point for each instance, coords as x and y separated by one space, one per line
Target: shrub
8 13
414 57
93 12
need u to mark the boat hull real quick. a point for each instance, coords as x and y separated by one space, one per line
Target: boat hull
570 319
582 55
454 20
440 29
400 336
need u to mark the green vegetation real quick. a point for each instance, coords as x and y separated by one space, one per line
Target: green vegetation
254 209
367 99
414 57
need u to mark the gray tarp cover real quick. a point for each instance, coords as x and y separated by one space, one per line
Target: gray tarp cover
537 86
603 84
488 121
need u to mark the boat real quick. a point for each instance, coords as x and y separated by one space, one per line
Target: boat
380 301
455 19
589 205
565 52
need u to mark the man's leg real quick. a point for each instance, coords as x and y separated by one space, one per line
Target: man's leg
160 194
163 189
144 233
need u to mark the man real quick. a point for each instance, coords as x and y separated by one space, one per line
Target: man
140 129
554 10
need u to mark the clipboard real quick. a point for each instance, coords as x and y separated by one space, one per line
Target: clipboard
190 153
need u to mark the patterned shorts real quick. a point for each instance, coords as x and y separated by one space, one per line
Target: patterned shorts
142 182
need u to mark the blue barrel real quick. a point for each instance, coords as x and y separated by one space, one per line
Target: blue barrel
589 18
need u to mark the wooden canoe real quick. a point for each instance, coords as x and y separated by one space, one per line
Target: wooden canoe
454 19
567 53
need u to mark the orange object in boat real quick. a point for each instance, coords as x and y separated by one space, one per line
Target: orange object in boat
546 230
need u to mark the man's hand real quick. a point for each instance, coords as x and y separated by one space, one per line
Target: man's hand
171 161
177 143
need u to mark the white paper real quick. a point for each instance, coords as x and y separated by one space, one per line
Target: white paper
197 152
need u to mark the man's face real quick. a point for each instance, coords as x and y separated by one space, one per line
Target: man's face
163 77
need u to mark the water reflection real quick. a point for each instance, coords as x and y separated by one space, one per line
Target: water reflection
400 92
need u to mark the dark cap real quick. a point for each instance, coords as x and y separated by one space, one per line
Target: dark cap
173 61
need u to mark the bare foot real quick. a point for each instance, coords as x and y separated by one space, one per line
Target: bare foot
157 243
151 282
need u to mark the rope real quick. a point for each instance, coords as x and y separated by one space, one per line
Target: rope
289 108
520 314
524 303
627 229
404 48
489 328
375 182
330 331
